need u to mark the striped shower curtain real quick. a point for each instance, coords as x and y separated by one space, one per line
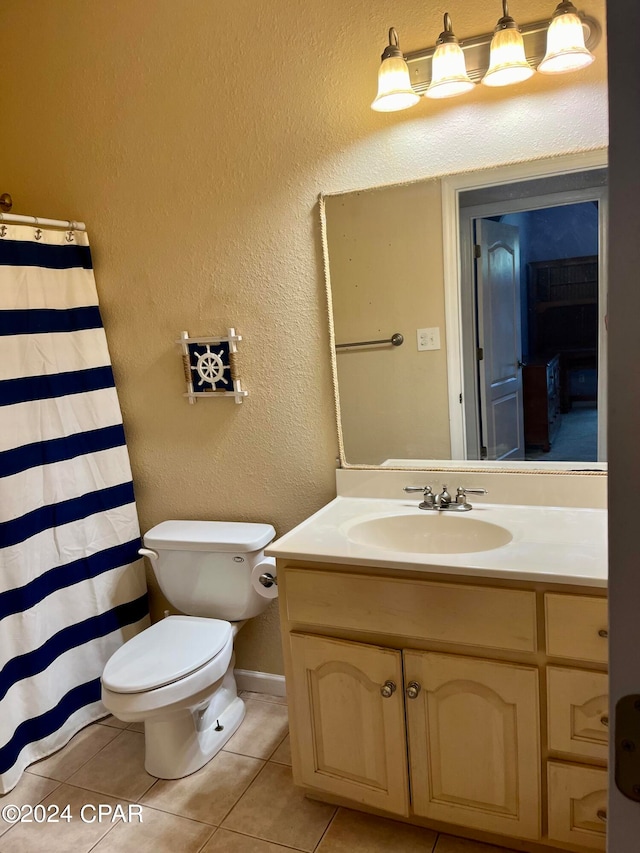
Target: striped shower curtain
72 587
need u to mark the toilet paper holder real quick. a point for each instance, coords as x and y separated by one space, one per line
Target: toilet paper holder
268 580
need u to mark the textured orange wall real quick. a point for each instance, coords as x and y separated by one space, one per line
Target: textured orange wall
193 137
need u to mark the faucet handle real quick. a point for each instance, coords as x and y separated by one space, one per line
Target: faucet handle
444 498
429 497
462 492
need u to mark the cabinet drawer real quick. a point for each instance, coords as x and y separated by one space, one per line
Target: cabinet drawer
440 612
576 627
577 805
578 712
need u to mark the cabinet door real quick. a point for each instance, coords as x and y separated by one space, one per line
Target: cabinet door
474 750
349 737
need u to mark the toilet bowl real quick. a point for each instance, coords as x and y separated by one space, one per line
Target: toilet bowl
177 676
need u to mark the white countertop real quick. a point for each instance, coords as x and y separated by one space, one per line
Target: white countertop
562 545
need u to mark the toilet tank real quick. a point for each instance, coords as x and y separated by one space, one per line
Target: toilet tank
204 568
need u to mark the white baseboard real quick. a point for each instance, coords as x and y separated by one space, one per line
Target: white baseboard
260 682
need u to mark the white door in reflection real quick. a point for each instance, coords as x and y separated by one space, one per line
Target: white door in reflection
499 340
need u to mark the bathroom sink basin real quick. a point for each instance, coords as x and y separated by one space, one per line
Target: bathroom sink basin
439 533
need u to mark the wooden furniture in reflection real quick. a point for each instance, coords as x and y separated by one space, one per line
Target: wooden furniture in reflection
541 401
562 300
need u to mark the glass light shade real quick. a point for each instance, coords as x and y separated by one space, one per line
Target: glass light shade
448 72
394 86
508 62
566 50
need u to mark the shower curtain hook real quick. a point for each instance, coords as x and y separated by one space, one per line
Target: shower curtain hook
38 232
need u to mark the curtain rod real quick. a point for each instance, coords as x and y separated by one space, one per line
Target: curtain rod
69 224
6 203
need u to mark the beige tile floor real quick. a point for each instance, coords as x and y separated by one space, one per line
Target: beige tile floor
243 801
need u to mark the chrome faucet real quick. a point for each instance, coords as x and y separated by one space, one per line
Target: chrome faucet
443 501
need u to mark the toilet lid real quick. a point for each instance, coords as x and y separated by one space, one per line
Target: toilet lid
165 652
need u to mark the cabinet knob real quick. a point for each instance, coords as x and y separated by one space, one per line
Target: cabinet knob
413 689
601 814
603 633
604 720
388 689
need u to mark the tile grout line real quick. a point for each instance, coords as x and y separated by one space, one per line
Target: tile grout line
260 757
265 841
78 769
144 793
99 841
328 827
266 762
227 813
115 796
137 802
278 745
127 800
207 840
6 832
173 814
187 817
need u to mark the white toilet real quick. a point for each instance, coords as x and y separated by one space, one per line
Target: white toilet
177 676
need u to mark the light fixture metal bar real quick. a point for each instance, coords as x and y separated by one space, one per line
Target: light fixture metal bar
476 51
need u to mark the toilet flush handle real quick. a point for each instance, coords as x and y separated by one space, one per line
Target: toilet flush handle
147 552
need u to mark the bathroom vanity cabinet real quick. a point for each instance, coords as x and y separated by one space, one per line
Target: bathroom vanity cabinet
473 706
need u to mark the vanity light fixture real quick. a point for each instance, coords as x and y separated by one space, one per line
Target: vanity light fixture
508 62
394 85
507 55
566 50
449 73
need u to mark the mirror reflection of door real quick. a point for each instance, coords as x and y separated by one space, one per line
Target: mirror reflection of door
554 335
499 350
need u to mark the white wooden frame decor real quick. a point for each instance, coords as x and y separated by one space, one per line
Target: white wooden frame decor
210 366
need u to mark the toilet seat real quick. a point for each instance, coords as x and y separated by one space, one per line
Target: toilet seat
167 652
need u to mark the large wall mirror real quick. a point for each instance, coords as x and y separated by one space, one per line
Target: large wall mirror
496 284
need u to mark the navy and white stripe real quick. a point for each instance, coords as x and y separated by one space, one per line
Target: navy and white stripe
72 586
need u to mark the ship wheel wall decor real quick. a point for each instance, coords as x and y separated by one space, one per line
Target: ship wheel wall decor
210 366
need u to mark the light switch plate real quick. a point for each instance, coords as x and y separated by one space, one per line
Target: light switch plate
428 339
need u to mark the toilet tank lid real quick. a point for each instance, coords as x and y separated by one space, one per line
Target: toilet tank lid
209 536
